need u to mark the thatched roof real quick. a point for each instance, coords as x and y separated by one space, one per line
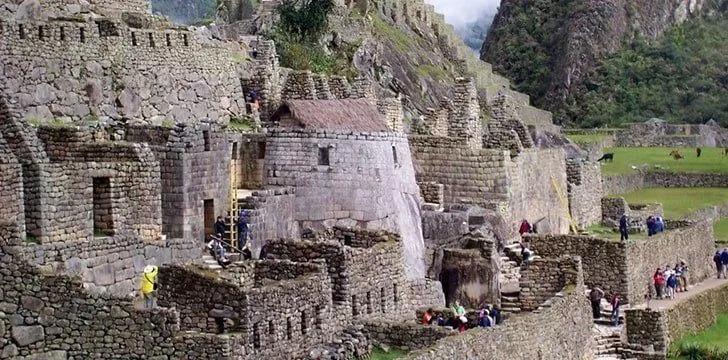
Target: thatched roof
349 115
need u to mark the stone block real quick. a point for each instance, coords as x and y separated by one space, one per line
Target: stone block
26 335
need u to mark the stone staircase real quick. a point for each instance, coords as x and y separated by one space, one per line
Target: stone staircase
608 342
510 272
510 304
209 263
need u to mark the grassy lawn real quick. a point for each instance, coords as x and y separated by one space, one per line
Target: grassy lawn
711 161
715 337
607 233
678 202
586 139
721 231
393 353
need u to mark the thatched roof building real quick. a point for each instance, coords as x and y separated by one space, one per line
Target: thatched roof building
348 115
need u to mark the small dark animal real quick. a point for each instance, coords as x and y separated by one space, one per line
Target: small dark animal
607 157
725 152
698 151
676 155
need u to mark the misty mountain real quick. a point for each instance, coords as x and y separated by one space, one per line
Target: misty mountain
474 33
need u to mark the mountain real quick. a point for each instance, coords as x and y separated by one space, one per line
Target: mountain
474 33
185 11
555 51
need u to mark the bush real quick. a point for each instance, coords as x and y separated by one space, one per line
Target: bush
304 20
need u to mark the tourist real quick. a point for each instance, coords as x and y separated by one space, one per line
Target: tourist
671 285
684 280
623 228
678 276
427 318
724 261
495 312
245 252
484 319
220 227
148 285
718 264
440 320
659 282
459 316
525 228
616 303
659 224
242 228
650 226
595 297
217 250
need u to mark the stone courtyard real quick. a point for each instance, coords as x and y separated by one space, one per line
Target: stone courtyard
121 144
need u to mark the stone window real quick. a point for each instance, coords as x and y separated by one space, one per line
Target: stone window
21 31
323 156
82 34
235 151
41 33
383 300
206 138
256 336
369 302
261 150
396 293
169 39
304 323
185 40
394 155
102 206
354 307
151 39
289 329
134 39
63 33
271 328
320 317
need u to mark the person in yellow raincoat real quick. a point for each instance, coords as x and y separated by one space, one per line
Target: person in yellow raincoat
149 285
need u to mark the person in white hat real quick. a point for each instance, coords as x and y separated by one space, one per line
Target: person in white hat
149 285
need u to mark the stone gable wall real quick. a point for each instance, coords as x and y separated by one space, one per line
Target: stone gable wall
544 278
60 76
361 187
585 192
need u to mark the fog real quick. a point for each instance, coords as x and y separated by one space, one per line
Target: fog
471 18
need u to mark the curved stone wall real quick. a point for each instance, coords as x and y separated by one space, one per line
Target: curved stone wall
369 183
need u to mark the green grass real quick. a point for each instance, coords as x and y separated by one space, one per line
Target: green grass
393 353
715 337
711 161
607 233
721 231
433 72
678 202
586 139
401 40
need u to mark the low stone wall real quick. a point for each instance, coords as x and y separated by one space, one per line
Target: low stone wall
655 330
432 192
614 207
626 268
561 331
271 215
407 336
426 293
620 184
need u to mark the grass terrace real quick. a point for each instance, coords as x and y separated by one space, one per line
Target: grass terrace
721 231
709 344
587 139
391 354
678 202
627 160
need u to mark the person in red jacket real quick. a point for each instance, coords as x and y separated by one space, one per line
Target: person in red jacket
659 281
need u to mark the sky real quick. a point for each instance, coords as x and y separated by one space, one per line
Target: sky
459 12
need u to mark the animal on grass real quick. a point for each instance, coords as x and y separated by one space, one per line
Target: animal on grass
725 152
676 155
607 157
698 151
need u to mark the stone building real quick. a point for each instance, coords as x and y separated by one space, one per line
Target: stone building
348 169
659 133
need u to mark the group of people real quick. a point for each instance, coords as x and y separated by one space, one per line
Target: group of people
488 316
217 246
655 225
595 298
721 262
669 281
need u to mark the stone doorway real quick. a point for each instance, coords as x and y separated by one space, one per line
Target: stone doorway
209 209
102 210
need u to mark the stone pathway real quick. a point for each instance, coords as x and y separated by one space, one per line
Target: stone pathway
706 285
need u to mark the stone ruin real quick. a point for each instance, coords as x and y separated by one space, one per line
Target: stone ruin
121 142
659 133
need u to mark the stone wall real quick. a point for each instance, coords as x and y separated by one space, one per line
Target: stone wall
80 73
362 185
545 277
470 274
627 268
271 216
11 188
585 192
614 207
249 160
562 330
694 244
367 275
426 293
403 335
620 184
658 133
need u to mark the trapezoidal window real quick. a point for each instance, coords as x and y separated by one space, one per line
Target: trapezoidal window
103 209
323 156
261 150
235 151
206 136
394 155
